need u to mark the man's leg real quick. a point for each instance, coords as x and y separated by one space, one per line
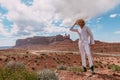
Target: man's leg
87 49
82 52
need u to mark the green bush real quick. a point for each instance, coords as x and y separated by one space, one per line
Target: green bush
14 65
47 75
75 69
7 74
62 67
57 60
16 71
114 67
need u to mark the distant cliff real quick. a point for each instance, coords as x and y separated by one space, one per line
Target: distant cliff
41 40
63 43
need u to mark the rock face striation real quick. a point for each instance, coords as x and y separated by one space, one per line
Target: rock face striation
41 40
63 43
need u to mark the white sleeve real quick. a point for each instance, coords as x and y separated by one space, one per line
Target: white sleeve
74 30
91 36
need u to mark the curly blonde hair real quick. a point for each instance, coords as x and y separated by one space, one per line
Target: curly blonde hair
80 21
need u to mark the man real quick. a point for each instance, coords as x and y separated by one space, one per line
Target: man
84 34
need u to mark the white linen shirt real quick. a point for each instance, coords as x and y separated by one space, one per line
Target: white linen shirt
84 35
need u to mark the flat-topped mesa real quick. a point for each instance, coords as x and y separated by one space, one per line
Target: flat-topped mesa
41 40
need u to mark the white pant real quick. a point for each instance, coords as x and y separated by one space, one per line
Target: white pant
84 49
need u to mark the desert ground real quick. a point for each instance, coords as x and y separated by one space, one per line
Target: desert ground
66 64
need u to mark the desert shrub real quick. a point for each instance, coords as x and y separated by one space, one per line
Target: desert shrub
57 60
0 59
75 69
114 67
6 59
53 69
7 55
47 75
62 67
7 74
27 52
96 66
14 65
16 71
43 54
70 53
26 56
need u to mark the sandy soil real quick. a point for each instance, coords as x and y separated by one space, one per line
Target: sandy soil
37 60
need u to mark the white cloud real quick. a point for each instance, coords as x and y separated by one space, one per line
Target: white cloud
52 29
37 18
3 31
70 10
41 13
29 19
113 15
117 32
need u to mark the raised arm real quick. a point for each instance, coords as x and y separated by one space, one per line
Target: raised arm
72 28
91 36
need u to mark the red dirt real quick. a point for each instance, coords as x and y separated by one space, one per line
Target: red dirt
36 60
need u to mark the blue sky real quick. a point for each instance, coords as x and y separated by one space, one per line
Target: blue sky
108 27
27 18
